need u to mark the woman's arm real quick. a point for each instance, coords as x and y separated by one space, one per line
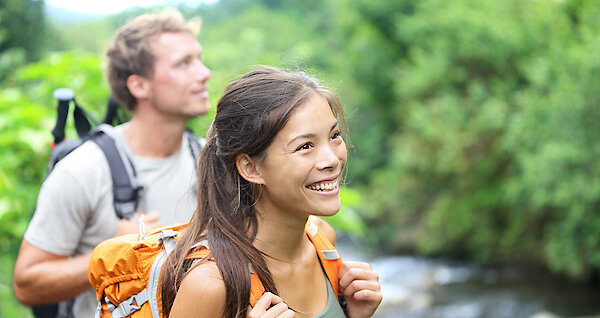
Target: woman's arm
201 294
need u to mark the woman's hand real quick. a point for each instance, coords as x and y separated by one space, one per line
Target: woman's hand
360 286
270 305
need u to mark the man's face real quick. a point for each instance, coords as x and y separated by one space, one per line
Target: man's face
178 86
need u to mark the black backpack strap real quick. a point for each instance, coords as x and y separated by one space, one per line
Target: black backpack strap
61 119
45 311
82 120
112 112
196 144
125 196
81 117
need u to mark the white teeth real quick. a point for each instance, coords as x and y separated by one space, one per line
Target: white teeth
323 186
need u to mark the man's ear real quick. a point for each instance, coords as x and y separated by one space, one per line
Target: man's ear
248 169
139 86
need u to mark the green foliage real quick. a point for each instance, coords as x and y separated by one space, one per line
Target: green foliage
494 154
348 220
77 38
21 166
27 114
22 25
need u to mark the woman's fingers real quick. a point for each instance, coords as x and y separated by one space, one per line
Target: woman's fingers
360 285
367 295
353 271
270 306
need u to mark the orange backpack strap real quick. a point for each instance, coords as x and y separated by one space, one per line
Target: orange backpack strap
328 255
256 288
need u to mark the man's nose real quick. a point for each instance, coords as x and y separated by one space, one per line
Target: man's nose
201 71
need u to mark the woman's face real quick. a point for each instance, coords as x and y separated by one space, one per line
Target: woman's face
303 165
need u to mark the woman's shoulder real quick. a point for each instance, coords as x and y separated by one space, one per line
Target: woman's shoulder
202 293
324 227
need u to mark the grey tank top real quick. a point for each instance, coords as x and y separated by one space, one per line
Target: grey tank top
332 308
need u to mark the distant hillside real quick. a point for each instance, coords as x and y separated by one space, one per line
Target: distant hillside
64 16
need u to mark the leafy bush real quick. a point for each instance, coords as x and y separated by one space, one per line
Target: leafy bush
496 139
27 115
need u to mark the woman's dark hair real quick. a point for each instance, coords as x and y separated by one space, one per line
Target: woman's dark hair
252 111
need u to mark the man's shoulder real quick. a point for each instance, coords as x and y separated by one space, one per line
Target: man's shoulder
87 157
89 154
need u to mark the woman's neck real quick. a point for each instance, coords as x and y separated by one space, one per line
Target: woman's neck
280 236
292 260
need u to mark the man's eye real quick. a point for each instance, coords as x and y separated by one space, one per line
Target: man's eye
304 146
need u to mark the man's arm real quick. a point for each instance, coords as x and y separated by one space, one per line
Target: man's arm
44 272
44 278
72 200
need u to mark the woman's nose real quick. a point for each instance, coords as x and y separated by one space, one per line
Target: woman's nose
328 158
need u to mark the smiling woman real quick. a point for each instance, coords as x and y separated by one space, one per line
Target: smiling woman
303 165
272 164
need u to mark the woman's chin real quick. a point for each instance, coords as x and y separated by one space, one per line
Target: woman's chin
325 211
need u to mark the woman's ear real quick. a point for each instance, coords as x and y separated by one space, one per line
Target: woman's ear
248 169
138 86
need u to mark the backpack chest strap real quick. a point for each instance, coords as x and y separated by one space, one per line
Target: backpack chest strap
129 306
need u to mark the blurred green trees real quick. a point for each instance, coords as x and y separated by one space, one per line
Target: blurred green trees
27 115
475 124
22 26
492 152
22 33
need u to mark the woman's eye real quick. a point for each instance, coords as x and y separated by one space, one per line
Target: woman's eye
336 135
304 146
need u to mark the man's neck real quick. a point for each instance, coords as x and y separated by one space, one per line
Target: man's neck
154 137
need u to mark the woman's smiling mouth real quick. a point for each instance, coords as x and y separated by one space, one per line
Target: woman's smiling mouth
324 186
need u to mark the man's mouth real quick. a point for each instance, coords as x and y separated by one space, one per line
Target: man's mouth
203 93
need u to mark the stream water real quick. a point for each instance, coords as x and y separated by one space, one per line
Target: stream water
425 288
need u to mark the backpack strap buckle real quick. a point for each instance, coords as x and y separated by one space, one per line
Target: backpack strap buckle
167 237
130 305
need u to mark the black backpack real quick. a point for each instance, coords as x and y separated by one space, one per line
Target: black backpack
126 196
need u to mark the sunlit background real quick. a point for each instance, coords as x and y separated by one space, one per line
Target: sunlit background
114 6
474 179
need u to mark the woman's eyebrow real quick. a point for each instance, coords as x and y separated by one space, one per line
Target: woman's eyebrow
307 136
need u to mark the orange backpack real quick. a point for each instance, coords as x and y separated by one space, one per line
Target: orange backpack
125 270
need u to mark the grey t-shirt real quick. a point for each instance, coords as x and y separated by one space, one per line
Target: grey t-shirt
75 211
